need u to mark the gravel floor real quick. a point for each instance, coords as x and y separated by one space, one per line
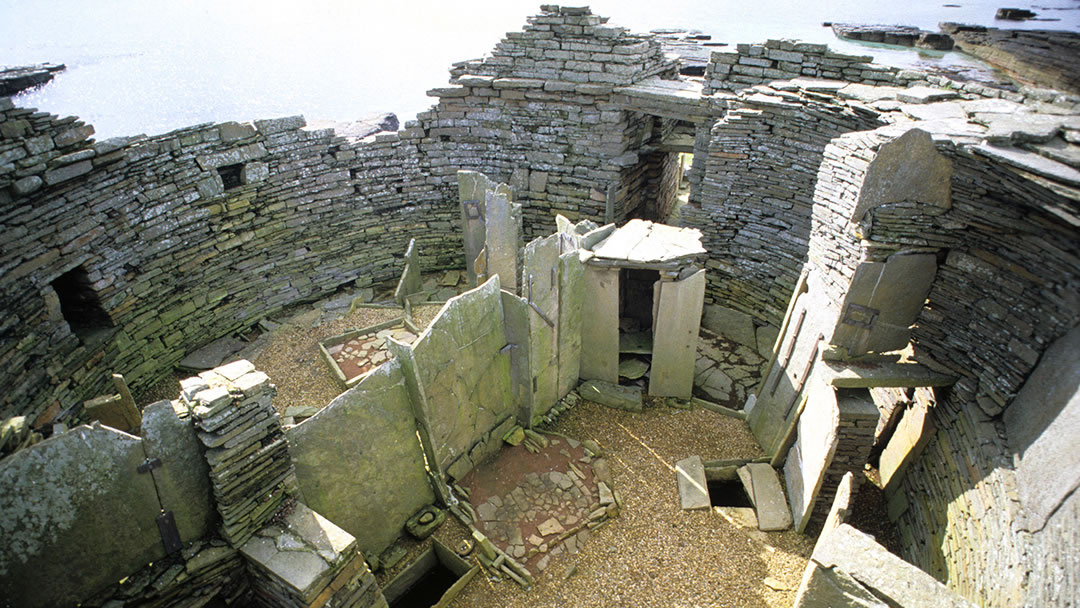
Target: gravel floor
655 554
291 355
294 365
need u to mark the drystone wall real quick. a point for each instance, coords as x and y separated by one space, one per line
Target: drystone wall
756 194
168 242
537 114
752 64
1006 290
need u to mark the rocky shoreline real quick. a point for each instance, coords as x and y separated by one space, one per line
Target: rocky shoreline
900 35
17 79
1046 58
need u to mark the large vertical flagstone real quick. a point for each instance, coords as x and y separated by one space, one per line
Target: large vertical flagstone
600 325
675 336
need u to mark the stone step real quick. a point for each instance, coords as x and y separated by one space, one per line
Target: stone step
762 485
693 488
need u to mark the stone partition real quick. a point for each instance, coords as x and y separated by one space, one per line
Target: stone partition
95 496
458 378
371 427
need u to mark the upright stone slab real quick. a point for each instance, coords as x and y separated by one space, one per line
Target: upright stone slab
1042 424
540 288
460 373
410 282
502 239
516 316
693 487
473 188
883 302
911 435
571 304
600 325
908 168
183 481
782 391
812 453
371 428
677 321
75 516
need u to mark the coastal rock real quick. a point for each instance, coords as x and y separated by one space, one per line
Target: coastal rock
18 79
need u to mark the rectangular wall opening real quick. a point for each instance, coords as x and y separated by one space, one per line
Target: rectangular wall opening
636 287
80 304
231 175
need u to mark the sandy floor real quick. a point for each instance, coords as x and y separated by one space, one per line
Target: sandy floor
656 554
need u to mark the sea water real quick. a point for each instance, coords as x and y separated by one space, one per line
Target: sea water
150 66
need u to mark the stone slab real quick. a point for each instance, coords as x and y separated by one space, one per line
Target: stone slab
600 325
906 168
502 238
371 427
1042 424
92 524
812 452
693 487
915 429
182 480
886 575
212 355
643 242
762 485
732 324
611 395
570 320
675 336
463 374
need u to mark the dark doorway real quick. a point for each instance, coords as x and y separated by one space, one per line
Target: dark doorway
635 324
80 304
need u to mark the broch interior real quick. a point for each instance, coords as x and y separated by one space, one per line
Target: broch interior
863 308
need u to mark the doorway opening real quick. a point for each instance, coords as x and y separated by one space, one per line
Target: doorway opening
80 304
636 303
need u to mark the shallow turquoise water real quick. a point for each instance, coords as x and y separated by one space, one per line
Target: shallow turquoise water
149 66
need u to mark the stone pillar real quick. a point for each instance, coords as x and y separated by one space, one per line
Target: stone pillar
854 438
250 468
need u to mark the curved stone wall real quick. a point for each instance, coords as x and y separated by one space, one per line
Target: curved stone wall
178 239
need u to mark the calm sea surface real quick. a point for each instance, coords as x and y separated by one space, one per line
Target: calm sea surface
150 66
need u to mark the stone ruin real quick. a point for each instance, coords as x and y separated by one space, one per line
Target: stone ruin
902 247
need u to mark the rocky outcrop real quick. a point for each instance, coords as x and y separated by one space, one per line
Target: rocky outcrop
17 79
1047 58
900 35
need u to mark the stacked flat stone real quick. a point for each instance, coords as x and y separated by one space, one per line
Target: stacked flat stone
761 164
173 256
206 569
305 561
538 115
752 64
250 469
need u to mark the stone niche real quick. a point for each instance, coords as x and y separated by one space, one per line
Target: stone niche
645 284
